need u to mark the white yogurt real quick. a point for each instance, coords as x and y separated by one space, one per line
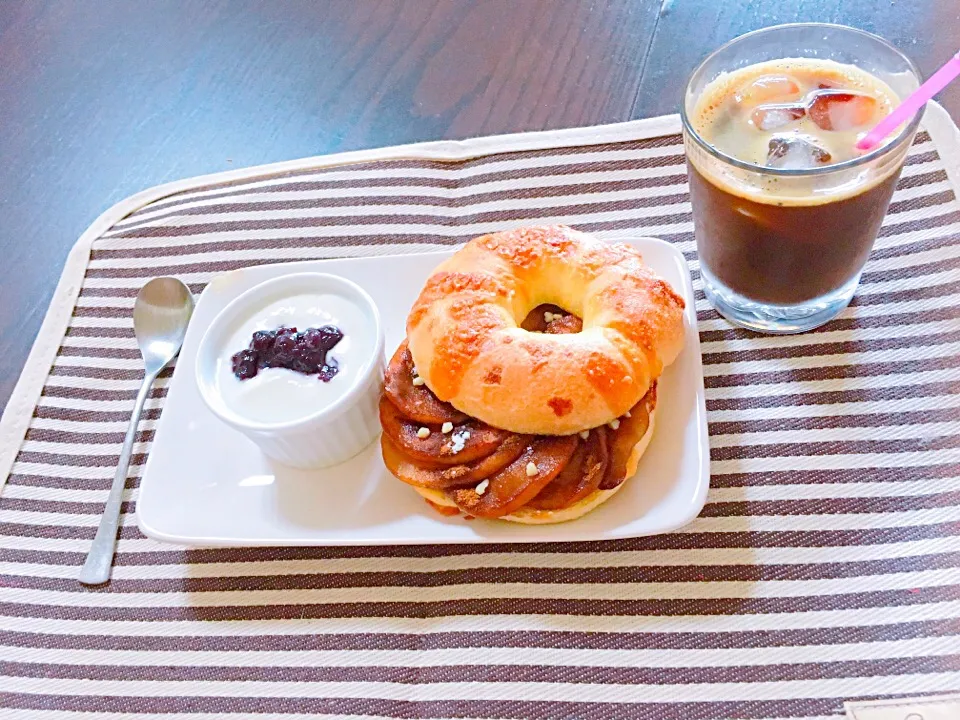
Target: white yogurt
277 395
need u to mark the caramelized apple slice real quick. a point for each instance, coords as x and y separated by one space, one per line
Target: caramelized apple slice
469 441
451 476
559 488
564 325
405 469
579 478
560 323
416 402
501 457
535 321
626 437
520 481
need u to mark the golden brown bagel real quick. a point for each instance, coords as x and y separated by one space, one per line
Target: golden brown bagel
531 516
467 345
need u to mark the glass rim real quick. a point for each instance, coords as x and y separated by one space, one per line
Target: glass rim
906 131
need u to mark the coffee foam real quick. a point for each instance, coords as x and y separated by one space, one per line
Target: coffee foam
713 118
721 89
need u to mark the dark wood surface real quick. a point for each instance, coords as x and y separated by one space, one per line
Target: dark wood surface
101 99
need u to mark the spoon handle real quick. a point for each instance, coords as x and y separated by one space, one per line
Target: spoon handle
96 569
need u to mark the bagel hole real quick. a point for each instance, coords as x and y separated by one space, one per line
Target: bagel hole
541 320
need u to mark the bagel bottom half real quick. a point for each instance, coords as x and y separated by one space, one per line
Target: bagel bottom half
530 516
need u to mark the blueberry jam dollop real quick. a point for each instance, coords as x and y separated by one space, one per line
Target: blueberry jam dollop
303 352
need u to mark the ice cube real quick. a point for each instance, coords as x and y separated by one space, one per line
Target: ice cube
767 89
774 117
795 152
841 110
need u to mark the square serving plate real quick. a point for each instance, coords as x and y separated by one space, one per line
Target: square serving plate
206 485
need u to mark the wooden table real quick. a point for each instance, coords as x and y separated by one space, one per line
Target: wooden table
101 99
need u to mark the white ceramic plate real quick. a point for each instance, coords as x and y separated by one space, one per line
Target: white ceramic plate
205 484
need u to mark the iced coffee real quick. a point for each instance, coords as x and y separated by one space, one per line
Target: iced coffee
785 208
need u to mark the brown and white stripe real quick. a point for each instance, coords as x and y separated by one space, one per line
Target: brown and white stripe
824 567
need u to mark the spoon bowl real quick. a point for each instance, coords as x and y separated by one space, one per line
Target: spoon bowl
160 318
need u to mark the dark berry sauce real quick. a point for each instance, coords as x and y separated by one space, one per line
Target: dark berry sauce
303 352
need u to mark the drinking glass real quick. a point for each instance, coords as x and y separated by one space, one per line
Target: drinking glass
782 250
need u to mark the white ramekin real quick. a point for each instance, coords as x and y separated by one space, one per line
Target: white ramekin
333 433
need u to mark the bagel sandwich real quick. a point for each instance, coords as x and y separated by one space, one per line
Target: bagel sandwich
526 388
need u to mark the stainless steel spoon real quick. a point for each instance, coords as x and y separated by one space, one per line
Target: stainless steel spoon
160 318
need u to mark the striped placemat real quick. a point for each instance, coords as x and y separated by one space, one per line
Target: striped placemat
825 566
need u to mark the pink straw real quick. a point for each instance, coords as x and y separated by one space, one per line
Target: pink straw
937 82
